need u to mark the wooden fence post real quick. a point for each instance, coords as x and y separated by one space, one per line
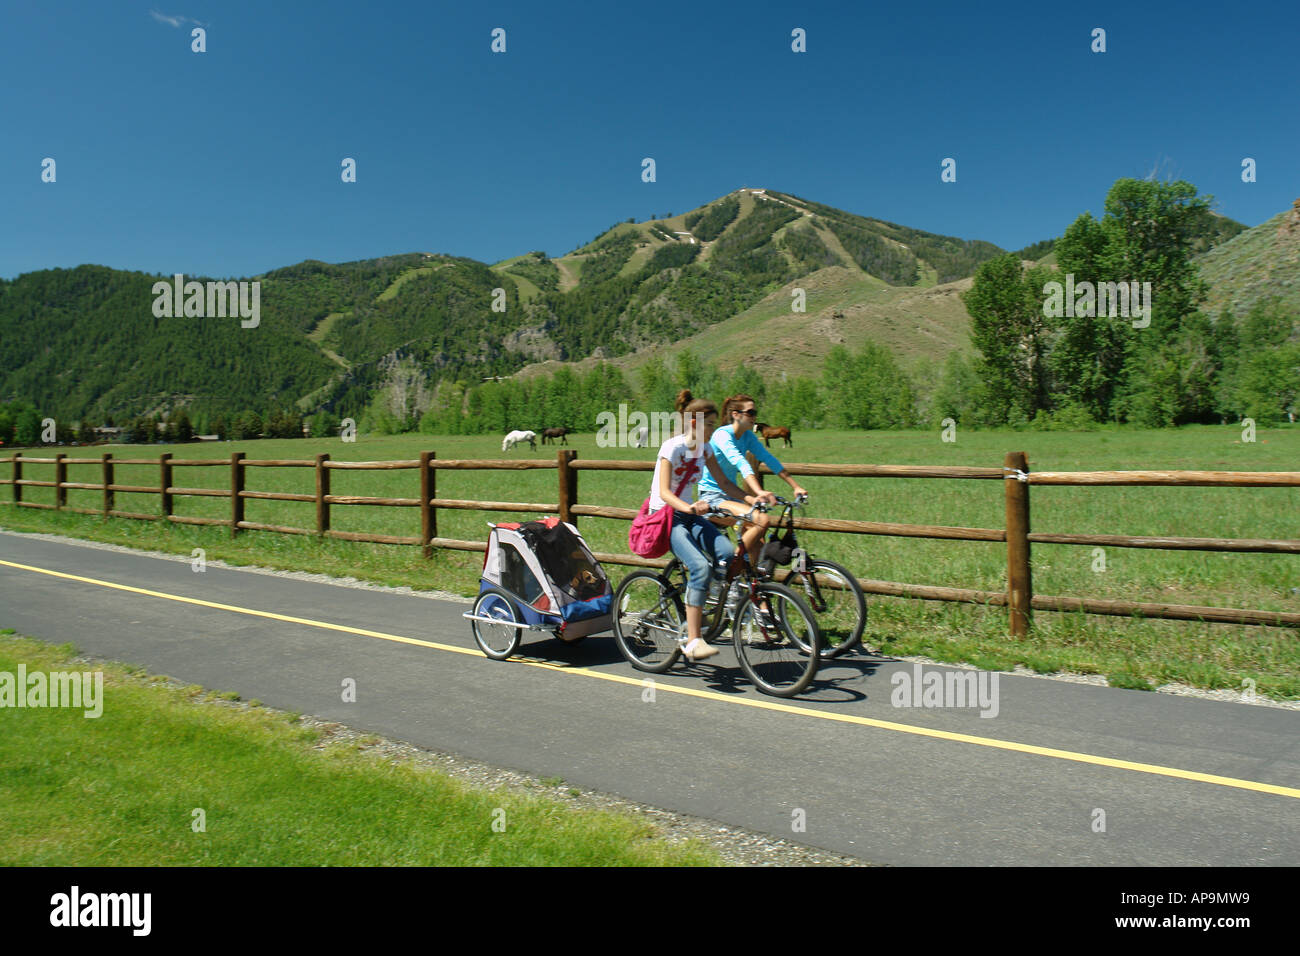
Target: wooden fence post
427 529
322 489
236 486
108 481
60 476
433 493
18 476
758 475
1020 588
568 485
165 482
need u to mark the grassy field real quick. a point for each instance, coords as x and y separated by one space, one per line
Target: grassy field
120 790
1132 653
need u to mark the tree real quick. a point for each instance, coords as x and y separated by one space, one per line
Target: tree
247 426
1009 328
27 427
1268 385
1147 235
794 403
958 393
1151 229
182 429
1174 386
867 389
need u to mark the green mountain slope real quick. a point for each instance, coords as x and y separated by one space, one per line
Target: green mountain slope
1255 264
84 342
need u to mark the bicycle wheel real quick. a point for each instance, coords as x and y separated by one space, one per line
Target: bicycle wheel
835 596
497 641
778 652
648 620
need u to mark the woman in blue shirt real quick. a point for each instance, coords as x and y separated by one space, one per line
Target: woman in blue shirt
729 444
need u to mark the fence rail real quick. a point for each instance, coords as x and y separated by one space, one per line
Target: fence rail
1015 475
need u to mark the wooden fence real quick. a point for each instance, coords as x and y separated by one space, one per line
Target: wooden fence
1014 475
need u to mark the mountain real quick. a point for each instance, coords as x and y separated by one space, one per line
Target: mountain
85 342
1255 264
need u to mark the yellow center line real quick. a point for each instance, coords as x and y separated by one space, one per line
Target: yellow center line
761 704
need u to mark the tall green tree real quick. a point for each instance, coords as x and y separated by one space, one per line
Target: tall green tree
1009 328
867 389
1147 235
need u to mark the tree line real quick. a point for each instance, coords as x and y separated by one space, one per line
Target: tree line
1173 365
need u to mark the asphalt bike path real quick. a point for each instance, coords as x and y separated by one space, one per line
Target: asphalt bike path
1179 780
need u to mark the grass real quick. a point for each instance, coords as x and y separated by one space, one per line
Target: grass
1203 655
121 790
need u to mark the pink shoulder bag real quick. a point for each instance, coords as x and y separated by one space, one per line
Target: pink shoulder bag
650 534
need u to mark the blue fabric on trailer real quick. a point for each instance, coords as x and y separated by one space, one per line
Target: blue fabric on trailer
537 618
581 610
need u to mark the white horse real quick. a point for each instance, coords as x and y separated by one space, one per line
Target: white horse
641 437
515 437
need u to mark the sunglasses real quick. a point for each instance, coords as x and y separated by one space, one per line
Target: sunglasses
751 412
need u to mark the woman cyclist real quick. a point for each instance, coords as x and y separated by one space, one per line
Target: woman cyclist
729 444
694 539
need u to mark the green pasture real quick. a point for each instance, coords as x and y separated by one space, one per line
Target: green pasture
1137 653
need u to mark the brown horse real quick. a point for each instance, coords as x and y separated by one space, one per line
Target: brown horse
554 433
768 433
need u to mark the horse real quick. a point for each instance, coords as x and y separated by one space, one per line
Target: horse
641 437
768 433
554 433
515 437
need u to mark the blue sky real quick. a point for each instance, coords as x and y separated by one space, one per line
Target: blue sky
227 163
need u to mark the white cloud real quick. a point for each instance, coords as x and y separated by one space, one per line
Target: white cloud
174 21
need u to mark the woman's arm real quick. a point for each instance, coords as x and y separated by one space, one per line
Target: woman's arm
726 484
666 493
766 457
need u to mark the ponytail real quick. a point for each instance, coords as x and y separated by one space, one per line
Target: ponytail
731 405
686 406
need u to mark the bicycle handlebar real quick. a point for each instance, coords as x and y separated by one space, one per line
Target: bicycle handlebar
747 516
799 501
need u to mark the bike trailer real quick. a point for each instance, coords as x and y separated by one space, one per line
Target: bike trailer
557 582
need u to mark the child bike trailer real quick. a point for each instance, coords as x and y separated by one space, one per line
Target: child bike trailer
538 576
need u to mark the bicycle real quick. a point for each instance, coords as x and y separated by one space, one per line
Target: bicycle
778 649
831 589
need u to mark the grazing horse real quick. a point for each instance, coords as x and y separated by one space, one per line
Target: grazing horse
768 433
554 433
515 437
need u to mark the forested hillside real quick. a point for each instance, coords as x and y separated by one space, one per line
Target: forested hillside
390 337
84 344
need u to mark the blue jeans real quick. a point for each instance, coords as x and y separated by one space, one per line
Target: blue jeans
698 544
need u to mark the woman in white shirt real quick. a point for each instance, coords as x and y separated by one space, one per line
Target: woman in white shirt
694 540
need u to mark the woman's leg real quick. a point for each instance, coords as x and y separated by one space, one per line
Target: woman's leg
686 543
751 536
716 544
